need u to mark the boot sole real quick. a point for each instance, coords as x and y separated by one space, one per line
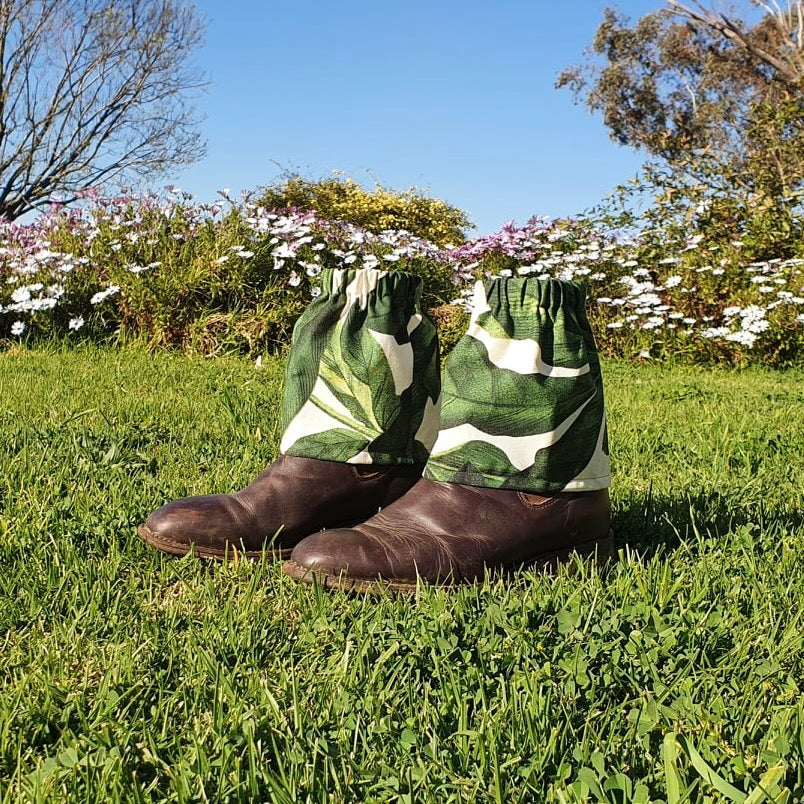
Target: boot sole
167 545
600 551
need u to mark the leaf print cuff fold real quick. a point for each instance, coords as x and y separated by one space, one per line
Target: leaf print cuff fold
522 406
362 382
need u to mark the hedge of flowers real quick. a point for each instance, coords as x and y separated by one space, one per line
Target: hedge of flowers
234 276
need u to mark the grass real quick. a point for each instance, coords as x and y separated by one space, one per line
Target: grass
126 675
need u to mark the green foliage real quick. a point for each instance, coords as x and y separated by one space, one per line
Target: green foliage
343 199
185 279
712 257
451 321
128 675
717 102
657 286
701 275
208 279
718 97
676 210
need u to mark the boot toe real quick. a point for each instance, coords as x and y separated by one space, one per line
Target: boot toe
347 559
191 524
180 516
334 552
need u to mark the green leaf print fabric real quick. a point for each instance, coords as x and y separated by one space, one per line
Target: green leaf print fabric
522 405
362 382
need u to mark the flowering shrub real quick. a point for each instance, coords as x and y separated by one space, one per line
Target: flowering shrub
235 275
378 209
707 303
229 276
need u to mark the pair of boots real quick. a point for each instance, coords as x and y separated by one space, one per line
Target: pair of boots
383 476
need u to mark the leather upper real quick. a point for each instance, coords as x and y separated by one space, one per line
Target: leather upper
292 498
449 531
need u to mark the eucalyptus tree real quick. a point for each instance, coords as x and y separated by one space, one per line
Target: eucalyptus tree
716 92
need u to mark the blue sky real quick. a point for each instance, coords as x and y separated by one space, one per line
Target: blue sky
455 97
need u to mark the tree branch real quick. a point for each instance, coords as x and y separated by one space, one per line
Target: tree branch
731 31
92 90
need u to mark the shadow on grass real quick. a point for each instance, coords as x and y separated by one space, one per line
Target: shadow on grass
651 523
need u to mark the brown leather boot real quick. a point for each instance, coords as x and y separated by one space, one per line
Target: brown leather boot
291 499
449 533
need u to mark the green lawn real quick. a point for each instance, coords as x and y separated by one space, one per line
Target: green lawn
128 675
